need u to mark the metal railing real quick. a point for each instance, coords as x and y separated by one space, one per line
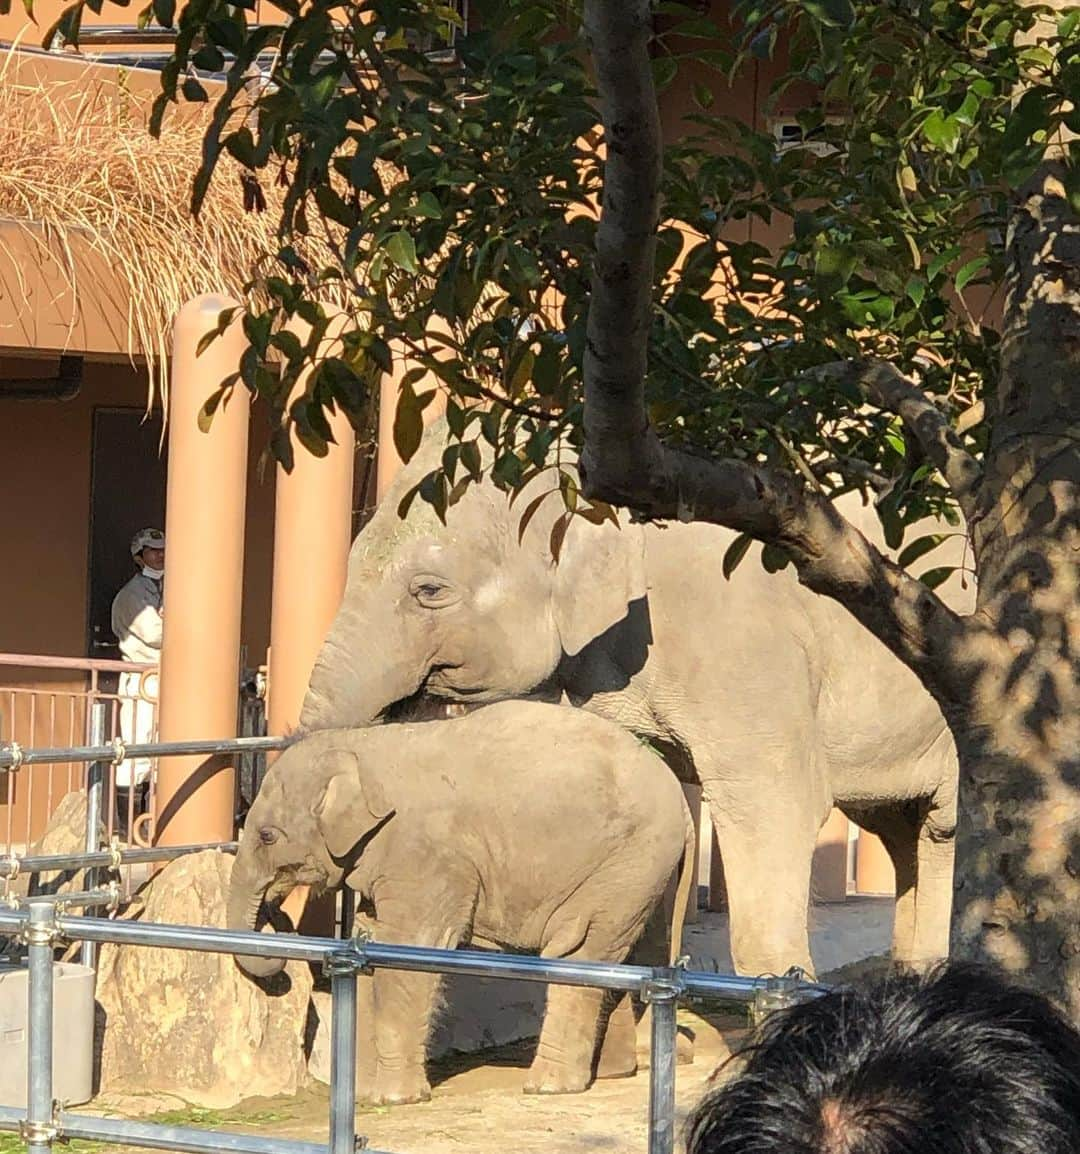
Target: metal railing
41 927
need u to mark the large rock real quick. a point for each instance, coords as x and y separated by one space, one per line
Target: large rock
193 1024
64 834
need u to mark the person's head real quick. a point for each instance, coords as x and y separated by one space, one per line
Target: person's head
148 551
958 1061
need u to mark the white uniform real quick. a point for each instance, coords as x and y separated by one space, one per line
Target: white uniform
136 621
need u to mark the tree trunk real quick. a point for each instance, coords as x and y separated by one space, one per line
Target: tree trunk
1007 677
1018 734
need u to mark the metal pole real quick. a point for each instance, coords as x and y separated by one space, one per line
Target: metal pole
39 1130
342 971
95 784
662 994
12 755
36 863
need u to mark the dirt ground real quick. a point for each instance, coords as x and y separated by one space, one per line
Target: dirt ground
477 1105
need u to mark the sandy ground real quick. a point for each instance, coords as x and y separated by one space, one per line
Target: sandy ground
477 1104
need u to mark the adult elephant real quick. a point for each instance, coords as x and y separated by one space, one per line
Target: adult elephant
776 700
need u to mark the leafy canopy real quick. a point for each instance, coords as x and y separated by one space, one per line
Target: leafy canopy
456 174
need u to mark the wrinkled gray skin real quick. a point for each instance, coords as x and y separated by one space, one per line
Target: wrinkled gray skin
524 826
775 699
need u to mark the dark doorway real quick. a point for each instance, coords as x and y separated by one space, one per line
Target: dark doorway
127 493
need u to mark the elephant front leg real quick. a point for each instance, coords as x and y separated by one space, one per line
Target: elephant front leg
403 1008
564 1055
767 857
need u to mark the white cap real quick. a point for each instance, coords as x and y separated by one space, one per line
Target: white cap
154 538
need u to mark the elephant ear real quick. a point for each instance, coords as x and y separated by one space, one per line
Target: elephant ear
351 804
599 574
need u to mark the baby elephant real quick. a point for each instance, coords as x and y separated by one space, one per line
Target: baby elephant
521 826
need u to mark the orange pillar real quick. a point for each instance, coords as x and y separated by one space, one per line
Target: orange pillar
874 873
828 878
204 531
312 535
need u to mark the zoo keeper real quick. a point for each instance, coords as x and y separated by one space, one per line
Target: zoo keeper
136 621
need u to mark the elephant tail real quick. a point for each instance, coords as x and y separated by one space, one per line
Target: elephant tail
682 889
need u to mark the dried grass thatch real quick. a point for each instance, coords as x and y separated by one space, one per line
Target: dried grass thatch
79 162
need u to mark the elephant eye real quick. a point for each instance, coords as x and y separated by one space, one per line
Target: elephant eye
268 835
432 592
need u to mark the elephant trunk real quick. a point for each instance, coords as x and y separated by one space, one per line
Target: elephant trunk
245 899
366 664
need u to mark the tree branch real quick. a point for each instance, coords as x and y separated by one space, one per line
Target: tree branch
830 555
624 463
883 385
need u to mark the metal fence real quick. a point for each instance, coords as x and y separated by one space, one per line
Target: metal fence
41 925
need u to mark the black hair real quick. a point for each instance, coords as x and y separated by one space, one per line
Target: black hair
958 1061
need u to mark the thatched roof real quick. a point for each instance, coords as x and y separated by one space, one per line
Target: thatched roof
79 168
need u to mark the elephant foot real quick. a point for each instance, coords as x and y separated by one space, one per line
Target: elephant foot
684 1050
549 1078
616 1062
395 1091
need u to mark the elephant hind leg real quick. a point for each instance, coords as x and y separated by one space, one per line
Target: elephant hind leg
566 1052
617 1057
919 842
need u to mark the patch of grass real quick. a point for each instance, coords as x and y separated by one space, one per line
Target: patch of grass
13 1144
205 1118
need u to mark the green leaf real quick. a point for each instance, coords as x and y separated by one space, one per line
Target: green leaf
209 59
834 264
664 69
942 131
427 206
408 423
920 547
210 407
193 91
401 249
932 578
773 558
700 29
734 553
165 12
940 261
896 442
972 268
832 13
